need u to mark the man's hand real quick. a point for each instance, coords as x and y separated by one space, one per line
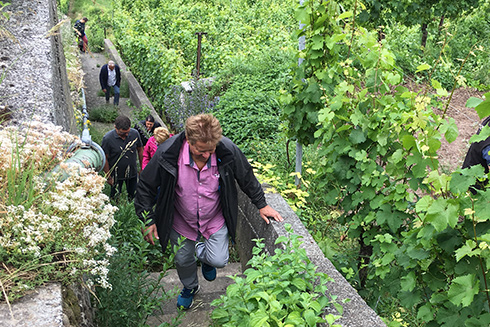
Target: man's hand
150 232
110 181
267 212
104 90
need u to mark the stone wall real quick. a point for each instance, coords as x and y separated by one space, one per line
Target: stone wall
251 226
32 65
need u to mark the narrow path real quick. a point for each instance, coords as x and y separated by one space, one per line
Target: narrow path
199 314
91 64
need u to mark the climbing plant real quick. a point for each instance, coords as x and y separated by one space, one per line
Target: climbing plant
422 235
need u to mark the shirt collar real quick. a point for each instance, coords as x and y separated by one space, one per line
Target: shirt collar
188 157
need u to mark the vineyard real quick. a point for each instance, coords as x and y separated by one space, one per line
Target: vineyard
369 102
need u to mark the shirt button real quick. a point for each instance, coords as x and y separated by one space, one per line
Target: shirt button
199 196
200 183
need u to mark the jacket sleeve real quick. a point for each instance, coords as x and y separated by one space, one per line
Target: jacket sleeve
146 192
245 177
103 77
118 76
146 155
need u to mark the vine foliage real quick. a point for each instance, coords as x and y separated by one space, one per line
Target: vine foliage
423 237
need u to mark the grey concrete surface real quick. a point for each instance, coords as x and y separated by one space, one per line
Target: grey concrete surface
40 308
33 79
91 64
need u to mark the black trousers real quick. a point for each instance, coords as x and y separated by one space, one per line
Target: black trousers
131 184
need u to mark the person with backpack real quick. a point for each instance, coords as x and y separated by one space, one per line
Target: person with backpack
79 28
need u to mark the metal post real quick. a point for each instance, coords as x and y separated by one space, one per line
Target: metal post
198 64
299 147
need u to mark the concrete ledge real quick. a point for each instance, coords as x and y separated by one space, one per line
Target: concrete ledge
42 308
63 106
136 94
356 312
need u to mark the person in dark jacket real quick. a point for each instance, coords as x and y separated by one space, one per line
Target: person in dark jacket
479 154
110 76
79 28
146 128
196 172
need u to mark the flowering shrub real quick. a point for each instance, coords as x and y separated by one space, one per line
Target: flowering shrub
50 229
180 104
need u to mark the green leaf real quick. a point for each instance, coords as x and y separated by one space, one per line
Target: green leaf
346 14
425 313
219 313
294 318
435 84
465 250
299 283
259 319
483 109
483 135
310 317
460 183
357 136
422 68
473 102
443 212
281 239
408 282
482 205
463 289
317 42
452 132
424 203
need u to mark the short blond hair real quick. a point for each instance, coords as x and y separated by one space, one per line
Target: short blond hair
161 134
203 128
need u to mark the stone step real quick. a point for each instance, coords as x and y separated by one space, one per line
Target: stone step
199 314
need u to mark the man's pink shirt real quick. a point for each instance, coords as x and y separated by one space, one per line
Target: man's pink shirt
197 201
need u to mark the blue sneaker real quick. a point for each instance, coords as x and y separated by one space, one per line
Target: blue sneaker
186 297
208 272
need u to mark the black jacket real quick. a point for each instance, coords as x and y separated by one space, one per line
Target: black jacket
104 76
474 155
162 170
79 26
144 133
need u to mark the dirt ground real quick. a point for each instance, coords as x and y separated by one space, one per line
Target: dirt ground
451 155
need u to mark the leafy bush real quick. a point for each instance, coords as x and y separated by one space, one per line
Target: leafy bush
278 290
134 295
54 223
422 235
161 50
104 114
456 41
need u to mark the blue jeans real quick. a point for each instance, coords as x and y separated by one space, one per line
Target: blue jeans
116 94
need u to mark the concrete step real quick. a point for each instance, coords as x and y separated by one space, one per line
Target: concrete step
199 314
